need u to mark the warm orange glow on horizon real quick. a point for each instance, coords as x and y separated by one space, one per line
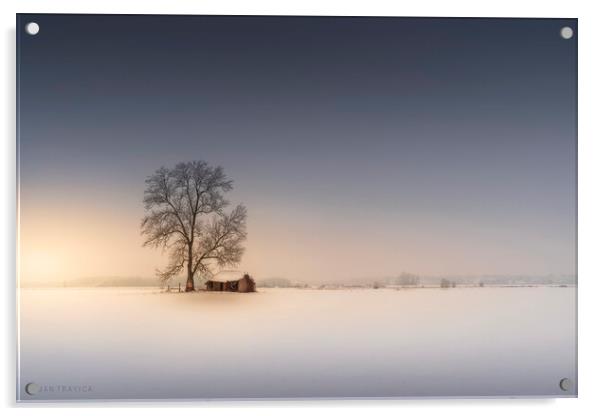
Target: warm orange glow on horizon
90 236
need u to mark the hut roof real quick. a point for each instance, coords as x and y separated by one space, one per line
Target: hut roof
227 275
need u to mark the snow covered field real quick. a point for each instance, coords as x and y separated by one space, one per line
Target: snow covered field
138 343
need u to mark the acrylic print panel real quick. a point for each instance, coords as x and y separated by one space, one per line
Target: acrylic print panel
296 207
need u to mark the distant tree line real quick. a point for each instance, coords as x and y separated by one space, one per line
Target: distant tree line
407 279
274 282
445 283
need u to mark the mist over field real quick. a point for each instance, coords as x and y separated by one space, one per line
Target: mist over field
145 344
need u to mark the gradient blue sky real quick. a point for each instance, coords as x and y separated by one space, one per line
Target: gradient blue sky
362 147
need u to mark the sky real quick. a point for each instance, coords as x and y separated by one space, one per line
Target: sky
362 147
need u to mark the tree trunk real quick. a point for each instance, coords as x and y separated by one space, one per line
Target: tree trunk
190 283
190 280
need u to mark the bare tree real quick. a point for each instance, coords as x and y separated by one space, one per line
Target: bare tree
185 214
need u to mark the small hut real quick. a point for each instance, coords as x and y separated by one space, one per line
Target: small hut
223 282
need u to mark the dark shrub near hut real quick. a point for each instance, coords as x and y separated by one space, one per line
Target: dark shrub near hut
244 284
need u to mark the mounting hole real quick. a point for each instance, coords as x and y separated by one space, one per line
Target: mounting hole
32 28
566 384
566 32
